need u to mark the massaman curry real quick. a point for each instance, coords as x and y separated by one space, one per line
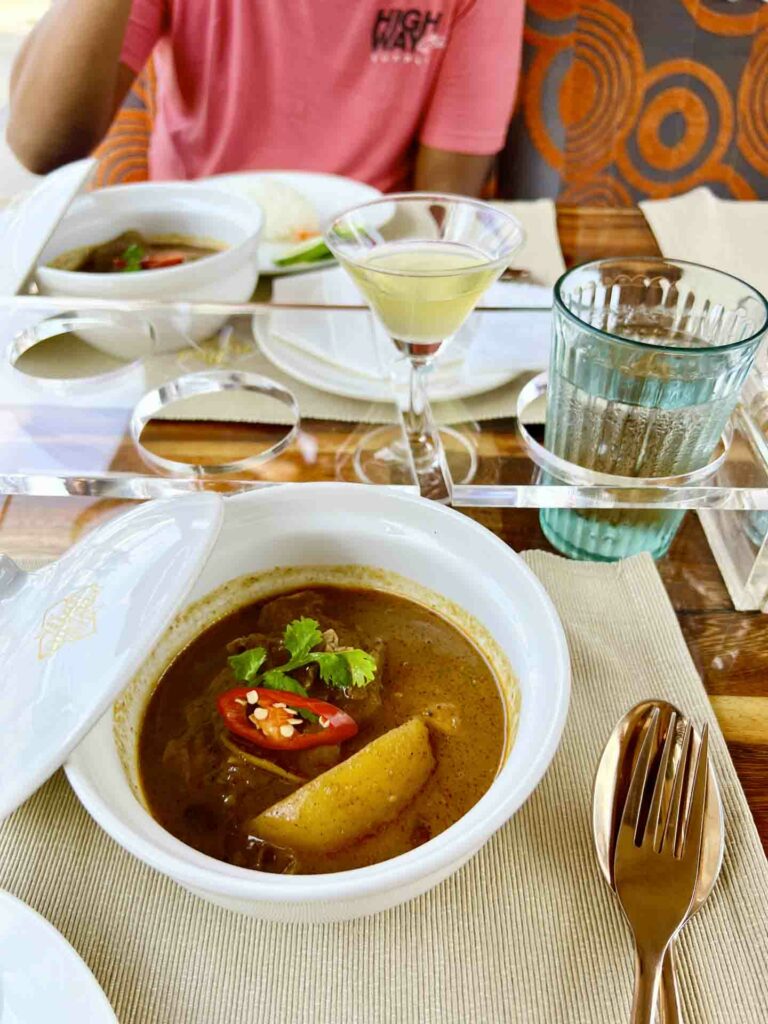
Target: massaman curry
131 252
321 730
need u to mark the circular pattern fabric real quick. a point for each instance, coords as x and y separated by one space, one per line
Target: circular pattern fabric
684 128
619 106
752 136
589 76
601 92
724 19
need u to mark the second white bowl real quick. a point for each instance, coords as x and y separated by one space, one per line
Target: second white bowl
162 208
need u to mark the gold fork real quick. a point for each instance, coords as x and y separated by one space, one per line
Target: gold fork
657 855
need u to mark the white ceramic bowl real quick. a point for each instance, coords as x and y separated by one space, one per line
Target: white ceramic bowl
162 208
329 525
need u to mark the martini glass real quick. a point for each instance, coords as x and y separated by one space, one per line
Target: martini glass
422 262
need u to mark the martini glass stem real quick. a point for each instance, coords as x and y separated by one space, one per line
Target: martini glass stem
416 416
423 437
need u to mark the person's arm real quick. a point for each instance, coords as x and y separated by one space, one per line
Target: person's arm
466 122
439 170
68 81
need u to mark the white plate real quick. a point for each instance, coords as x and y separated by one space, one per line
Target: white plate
42 979
329 194
347 352
451 382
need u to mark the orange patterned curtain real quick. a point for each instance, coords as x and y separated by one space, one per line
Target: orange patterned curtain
123 155
627 99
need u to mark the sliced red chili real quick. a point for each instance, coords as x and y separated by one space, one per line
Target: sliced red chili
333 725
158 262
162 260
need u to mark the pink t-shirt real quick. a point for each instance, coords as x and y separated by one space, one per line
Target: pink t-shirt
346 86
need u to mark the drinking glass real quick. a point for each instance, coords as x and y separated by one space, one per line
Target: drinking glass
422 262
647 362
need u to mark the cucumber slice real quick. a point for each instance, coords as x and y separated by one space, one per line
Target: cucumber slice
314 251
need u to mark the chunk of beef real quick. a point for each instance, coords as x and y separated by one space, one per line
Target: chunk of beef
275 615
246 643
365 702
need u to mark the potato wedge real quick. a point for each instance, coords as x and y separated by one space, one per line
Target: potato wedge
355 797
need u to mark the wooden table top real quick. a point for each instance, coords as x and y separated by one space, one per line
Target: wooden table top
730 648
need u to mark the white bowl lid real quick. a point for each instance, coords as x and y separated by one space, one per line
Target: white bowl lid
74 633
28 224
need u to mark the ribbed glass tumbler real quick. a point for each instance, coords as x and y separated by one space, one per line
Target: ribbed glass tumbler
648 358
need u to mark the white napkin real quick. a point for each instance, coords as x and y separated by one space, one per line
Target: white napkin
729 234
540 254
487 343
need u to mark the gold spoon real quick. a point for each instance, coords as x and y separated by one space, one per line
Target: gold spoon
611 783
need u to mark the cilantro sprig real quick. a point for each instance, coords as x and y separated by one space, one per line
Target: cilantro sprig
132 257
340 669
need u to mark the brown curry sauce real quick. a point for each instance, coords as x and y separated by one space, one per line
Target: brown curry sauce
108 257
204 793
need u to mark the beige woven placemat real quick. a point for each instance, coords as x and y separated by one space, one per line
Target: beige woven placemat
527 932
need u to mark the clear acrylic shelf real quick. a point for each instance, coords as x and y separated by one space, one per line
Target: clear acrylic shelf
90 404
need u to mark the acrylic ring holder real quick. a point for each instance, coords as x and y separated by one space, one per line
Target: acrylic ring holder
193 385
49 328
579 476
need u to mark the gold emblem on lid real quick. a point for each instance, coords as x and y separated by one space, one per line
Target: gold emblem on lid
73 618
